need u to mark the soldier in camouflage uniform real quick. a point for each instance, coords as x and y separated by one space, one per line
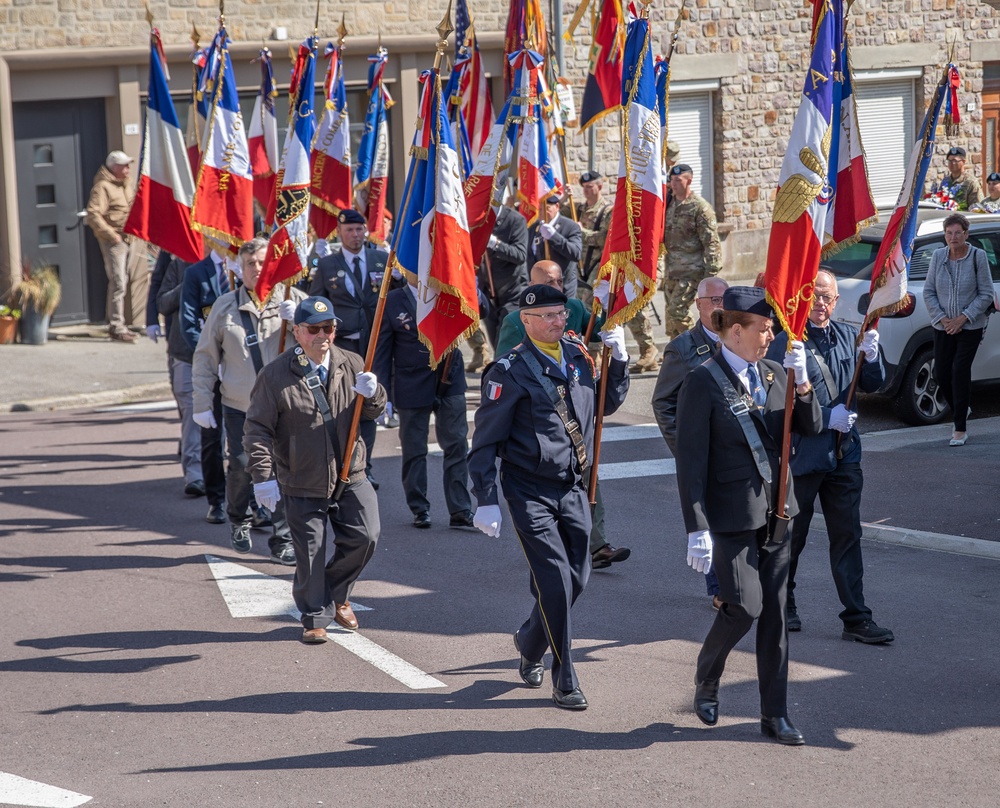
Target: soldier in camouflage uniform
961 185
595 219
691 240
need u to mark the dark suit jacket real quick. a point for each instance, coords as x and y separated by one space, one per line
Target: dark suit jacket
682 355
201 290
717 479
402 357
565 248
168 303
507 260
356 310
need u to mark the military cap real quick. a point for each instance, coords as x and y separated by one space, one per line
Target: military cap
538 295
590 176
994 177
673 150
553 198
746 298
315 310
351 217
681 168
956 151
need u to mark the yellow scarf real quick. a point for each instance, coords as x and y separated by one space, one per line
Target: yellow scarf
553 349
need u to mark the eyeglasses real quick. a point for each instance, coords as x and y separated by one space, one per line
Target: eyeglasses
826 300
716 301
315 329
550 317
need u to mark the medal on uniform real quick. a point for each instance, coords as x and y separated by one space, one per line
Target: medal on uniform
493 390
303 360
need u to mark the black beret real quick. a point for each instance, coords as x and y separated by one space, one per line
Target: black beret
746 298
994 177
590 176
553 199
956 151
351 217
538 295
681 168
314 310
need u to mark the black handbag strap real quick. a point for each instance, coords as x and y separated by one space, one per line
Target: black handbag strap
252 341
824 368
739 405
559 404
314 383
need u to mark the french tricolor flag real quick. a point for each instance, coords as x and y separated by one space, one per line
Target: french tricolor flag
288 248
535 178
331 153
371 179
636 232
262 137
223 202
161 213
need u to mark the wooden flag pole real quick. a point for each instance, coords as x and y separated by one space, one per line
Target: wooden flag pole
786 443
602 388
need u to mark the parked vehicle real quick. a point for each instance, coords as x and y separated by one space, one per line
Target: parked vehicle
906 339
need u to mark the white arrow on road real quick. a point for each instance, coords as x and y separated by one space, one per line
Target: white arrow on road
16 790
249 593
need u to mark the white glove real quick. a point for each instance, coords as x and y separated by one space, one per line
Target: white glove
206 420
547 230
153 332
869 346
232 265
286 310
842 419
615 340
492 243
267 494
699 551
323 248
796 360
487 518
365 384
601 292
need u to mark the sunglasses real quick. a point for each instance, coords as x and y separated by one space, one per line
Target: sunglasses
315 329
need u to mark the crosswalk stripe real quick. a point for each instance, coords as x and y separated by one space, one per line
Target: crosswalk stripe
16 790
636 468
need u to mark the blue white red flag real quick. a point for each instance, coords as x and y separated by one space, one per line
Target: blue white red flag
197 122
331 153
888 285
372 174
802 201
288 248
456 119
477 106
431 245
636 232
223 202
663 103
552 126
602 93
262 137
161 213
535 178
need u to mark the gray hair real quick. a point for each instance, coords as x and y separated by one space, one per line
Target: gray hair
252 246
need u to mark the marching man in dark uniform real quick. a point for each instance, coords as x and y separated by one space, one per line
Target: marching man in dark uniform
729 422
295 438
537 417
558 238
351 279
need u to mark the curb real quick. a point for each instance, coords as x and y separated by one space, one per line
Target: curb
925 540
100 398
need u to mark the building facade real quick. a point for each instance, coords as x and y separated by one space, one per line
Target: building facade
73 76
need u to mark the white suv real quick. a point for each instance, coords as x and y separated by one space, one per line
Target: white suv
906 339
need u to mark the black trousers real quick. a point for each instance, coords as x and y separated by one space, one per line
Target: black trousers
318 585
367 428
212 469
953 356
752 583
553 527
839 493
239 484
452 429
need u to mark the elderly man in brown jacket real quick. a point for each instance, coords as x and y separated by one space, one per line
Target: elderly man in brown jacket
295 437
110 202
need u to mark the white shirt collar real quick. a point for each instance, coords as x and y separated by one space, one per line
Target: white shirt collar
325 363
350 256
739 366
710 333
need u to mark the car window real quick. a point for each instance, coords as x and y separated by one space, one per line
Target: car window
987 242
920 261
854 261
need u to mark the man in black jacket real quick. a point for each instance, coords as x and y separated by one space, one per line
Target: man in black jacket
504 273
558 238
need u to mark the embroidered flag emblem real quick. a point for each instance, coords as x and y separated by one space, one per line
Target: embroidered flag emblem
493 391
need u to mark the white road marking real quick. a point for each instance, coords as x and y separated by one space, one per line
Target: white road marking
249 593
16 790
613 434
146 406
636 468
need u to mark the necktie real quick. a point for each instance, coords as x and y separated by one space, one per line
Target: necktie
322 373
759 396
359 281
223 278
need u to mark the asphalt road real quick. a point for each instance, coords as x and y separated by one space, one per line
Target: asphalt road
128 679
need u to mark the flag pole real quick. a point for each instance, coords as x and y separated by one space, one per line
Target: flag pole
444 29
602 388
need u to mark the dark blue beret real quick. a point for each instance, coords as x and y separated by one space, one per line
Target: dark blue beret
746 298
351 217
538 295
314 310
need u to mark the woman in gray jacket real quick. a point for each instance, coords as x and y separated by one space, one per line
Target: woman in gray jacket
957 293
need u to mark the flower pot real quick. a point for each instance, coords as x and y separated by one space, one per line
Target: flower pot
8 330
34 326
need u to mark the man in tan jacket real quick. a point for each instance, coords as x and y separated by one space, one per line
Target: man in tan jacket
238 339
110 201
296 441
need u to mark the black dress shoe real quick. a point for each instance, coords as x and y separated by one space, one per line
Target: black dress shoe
195 488
867 631
461 519
569 699
781 730
706 701
608 555
792 619
532 673
422 520
216 515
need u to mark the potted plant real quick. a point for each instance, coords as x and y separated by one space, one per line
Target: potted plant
8 323
38 294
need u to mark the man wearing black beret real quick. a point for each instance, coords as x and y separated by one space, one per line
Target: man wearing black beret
960 185
991 202
554 237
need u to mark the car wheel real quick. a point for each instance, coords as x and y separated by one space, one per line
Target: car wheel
919 400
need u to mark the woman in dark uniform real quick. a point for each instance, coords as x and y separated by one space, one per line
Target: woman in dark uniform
730 416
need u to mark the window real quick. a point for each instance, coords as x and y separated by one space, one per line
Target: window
886 120
43 154
45 195
48 235
689 124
